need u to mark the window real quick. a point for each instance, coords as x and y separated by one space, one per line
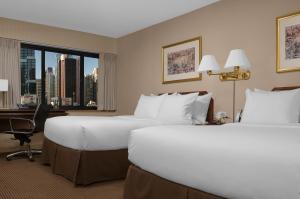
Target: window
59 77
90 81
62 78
30 76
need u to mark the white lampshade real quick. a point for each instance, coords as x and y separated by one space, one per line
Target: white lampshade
208 62
3 85
237 57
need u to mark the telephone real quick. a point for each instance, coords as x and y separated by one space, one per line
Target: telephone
221 117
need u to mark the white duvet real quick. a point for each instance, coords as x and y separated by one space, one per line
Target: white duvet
93 133
234 161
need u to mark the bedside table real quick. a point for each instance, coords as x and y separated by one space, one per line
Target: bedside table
215 123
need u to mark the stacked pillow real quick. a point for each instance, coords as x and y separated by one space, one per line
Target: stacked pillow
148 106
272 107
200 108
175 108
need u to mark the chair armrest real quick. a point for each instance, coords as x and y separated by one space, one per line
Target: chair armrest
31 122
19 118
23 132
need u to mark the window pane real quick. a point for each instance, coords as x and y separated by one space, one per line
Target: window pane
70 77
90 80
62 78
30 76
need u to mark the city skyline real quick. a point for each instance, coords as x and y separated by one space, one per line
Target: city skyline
58 81
62 83
51 61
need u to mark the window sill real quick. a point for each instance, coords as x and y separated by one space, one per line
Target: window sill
74 108
88 109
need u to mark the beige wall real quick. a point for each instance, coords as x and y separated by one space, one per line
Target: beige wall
57 37
228 24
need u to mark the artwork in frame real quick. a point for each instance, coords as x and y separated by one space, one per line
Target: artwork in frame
180 61
288 43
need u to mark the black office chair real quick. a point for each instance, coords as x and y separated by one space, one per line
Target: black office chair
23 135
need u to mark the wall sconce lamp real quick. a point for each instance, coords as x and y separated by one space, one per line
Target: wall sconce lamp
237 60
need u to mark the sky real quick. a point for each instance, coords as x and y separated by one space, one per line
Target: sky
51 61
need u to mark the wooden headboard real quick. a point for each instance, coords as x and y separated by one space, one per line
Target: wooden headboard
285 88
210 112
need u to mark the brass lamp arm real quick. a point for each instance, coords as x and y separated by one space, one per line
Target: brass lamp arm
234 75
209 72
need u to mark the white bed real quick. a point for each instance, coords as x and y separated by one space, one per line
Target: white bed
88 133
94 133
96 147
232 160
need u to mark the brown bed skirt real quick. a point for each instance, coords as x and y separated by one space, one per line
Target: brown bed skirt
85 167
141 184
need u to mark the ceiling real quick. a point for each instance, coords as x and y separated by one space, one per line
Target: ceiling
113 18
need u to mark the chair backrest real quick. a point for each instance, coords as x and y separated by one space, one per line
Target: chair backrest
40 116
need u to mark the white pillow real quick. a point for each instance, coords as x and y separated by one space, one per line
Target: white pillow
200 108
294 90
262 91
271 107
148 106
177 109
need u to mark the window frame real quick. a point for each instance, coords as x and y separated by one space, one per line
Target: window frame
81 54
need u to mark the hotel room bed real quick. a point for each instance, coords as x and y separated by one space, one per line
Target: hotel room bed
92 149
88 149
230 161
257 158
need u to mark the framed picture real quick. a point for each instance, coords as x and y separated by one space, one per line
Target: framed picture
180 61
288 43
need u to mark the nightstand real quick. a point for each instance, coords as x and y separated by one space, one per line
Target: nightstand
215 123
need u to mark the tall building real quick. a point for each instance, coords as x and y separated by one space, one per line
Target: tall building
90 87
69 77
28 81
50 86
38 93
95 74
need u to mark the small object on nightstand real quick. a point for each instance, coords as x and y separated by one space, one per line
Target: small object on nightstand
221 118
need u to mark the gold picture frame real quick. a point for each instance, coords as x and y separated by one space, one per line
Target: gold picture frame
288 43
174 56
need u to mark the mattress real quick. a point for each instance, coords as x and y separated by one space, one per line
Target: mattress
93 133
232 161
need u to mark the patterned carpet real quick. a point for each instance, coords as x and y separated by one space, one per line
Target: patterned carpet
22 179
7 144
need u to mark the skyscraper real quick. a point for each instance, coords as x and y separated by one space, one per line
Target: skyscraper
69 77
95 74
50 84
38 84
90 87
28 80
